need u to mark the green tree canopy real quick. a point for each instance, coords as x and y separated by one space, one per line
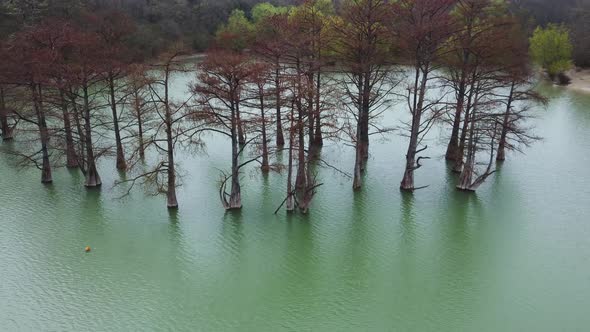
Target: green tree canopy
237 33
266 9
552 49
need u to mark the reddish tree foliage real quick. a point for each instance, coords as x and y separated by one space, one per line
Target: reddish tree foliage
470 17
270 45
166 122
259 79
85 74
34 55
499 79
113 29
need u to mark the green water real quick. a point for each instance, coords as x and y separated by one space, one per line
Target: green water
513 257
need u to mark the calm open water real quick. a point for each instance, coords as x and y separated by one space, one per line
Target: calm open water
513 257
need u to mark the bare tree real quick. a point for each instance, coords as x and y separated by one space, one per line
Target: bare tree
168 129
220 91
421 27
362 50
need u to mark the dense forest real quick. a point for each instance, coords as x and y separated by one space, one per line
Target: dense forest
195 21
80 81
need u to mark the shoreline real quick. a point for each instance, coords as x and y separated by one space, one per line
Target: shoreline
580 80
580 77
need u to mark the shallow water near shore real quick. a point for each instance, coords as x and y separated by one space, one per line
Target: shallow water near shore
513 257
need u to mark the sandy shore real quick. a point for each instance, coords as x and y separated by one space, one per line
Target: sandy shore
580 80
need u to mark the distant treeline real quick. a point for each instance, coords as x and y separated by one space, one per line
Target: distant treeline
574 14
161 22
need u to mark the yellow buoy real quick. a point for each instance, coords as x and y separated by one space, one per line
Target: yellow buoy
87 249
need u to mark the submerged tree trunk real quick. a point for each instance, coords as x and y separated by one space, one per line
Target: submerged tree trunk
501 155
4 125
46 176
319 139
71 156
311 117
364 119
468 109
171 200
265 163
280 135
459 160
466 179
362 134
300 181
466 176
453 147
290 205
235 196
358 163
241 137
121 163
81 153
137 107
412 163
92 176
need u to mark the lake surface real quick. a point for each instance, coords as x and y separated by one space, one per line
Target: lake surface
513 257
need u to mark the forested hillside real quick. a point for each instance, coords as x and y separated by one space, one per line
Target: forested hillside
160 22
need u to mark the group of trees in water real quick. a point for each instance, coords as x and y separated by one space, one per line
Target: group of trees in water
278 80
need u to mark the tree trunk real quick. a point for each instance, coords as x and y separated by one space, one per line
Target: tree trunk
358 163
4 125
280 136
466 177
81 137
46 176
301 181
265 163
361 146
311 118
458 164
366 108
92 176
241 137
319 139
235 197
138 114
290 199
460 153
71 156
407 182
362 136
501 156
453 147
121 163
172 202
